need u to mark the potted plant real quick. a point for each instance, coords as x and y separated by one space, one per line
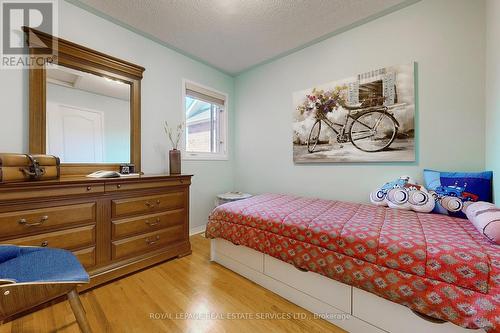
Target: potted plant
174 135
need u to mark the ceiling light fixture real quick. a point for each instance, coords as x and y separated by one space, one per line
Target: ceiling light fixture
113 80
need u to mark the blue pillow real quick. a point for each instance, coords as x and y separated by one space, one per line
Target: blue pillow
453 191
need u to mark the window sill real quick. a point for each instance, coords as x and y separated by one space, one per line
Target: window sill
204 157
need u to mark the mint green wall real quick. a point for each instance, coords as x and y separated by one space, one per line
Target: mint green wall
493 92
445 38
161 100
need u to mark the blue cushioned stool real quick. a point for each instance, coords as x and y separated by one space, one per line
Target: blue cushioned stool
30 276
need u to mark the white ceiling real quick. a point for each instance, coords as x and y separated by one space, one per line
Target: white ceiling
78 80
234 35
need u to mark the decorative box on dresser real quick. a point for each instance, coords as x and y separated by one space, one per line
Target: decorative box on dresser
114 226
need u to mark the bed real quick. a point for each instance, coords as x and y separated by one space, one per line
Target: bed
438 266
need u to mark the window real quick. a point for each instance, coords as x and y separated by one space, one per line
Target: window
206 119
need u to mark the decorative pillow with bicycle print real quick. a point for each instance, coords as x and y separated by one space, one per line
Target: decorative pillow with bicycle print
455 191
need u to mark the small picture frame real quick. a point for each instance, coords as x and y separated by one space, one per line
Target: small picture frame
127 168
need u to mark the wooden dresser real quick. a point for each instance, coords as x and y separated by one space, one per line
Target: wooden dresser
114 226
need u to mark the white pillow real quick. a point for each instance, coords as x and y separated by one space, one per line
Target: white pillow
485 217
403 193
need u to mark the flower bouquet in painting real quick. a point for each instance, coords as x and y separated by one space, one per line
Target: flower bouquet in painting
323 101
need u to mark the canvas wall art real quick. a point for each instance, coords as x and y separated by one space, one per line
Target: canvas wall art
369 117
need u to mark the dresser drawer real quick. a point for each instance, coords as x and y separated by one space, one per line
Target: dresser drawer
24 221
68 239
86 256
148 204
147 242
147 223
38 192
141 185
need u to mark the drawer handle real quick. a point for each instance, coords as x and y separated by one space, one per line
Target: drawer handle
152 224
301 269
24 222
45 244
89 188
118 186
153 242
150 205
429 318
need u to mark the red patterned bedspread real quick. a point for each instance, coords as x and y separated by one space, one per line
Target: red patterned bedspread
435 264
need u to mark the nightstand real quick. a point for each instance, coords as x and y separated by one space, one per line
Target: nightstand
230 197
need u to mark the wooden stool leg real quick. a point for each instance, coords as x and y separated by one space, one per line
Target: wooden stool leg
79 311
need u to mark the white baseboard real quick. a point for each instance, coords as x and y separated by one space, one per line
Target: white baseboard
197 230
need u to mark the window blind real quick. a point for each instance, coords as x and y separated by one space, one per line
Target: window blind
203 94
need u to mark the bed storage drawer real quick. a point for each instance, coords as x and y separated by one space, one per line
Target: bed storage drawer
240 253
325 289
375 310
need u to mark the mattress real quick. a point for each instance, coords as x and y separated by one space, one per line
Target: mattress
434 264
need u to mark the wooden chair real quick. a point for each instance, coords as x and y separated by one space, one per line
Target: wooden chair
30 276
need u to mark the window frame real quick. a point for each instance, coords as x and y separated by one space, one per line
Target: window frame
222 124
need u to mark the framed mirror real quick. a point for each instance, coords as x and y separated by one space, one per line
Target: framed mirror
84 107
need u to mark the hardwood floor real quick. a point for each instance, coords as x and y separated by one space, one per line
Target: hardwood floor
187 286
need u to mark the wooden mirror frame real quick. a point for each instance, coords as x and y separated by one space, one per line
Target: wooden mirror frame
68 54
